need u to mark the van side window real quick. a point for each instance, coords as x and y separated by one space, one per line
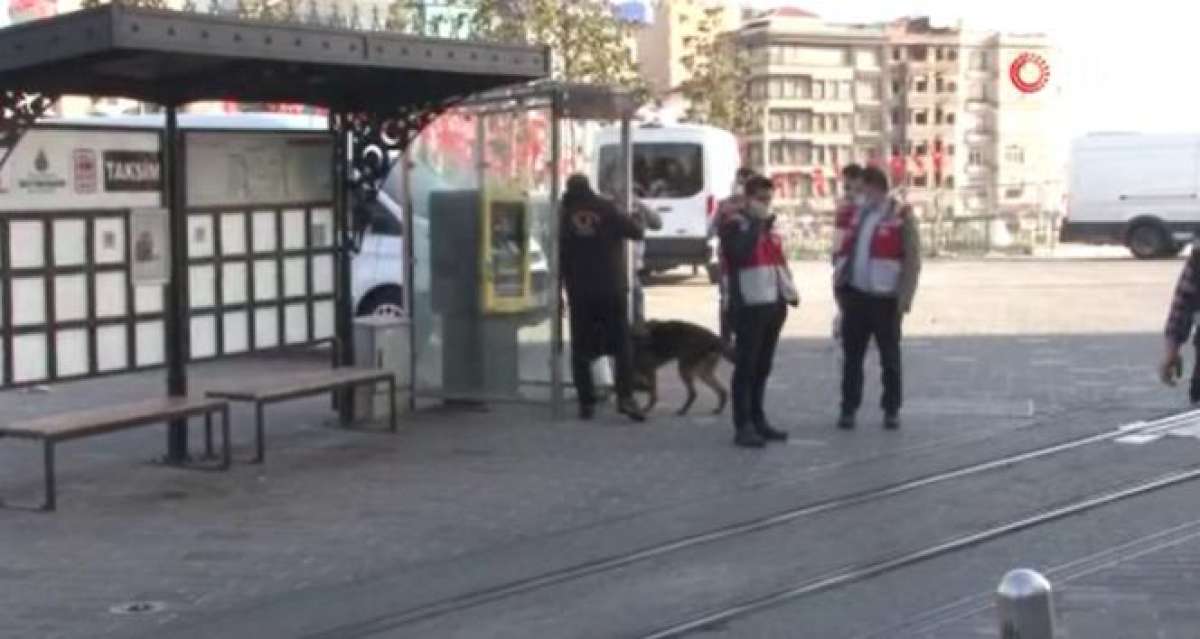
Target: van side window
661 170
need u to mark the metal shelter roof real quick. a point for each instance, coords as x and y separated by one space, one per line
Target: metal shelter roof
578 101
171 57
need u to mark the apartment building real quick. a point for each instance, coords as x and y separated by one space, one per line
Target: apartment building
821 89
976 120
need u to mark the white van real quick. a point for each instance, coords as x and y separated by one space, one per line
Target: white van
1142 191
681 171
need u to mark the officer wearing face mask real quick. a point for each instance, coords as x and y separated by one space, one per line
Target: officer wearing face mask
760 289
877 262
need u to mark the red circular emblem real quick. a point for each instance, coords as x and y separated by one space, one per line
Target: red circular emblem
1029 72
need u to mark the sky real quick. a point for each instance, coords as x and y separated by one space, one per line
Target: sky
1126 67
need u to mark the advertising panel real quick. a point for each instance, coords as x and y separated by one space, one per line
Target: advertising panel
60 169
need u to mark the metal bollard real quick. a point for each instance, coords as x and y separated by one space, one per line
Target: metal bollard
1025 606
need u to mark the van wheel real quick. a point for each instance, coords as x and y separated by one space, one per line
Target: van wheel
386 302
1147 241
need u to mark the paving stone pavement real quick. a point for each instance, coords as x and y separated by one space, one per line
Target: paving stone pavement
335 506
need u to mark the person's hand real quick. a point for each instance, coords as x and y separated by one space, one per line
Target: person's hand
1171 367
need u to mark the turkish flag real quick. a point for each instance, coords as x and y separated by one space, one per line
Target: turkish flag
818 178
939 160
898 167
918 163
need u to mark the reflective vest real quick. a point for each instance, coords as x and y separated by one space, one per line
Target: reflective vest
764 278
887 251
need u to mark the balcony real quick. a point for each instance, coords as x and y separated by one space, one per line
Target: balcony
978 105
980 136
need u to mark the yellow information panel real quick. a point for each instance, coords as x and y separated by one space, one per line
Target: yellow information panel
504 251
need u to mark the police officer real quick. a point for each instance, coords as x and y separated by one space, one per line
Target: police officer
760 289
592 233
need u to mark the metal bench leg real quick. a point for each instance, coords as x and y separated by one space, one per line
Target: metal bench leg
226 446
51 495
208 436
259 435
392 400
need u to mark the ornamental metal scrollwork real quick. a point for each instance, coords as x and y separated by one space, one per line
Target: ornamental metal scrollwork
18 112
375 138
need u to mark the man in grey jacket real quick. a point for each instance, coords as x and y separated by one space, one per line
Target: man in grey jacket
876 267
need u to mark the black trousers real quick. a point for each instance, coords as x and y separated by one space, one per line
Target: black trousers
756 334
863 317
1194 387
600 327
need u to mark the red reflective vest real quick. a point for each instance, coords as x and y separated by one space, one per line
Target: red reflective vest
887 250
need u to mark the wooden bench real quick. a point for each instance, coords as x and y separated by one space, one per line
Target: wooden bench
279 389
54 429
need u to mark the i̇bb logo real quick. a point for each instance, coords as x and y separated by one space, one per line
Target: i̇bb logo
1029 72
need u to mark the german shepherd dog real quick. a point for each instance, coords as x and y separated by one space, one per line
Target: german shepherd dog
697 350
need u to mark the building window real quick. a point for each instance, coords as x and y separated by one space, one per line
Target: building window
818 155
866 59
949 117
975 158
921 117
938 54
898 54
1014 154
920 181
952 54
834 124
1014 192
921 85
939 83
918 53
950 150
847 90
897 117
868 90
948 181
923 148
951 86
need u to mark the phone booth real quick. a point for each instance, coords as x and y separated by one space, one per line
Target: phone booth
481 287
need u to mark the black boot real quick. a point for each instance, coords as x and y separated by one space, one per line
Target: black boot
891 421
587 411
846 421
768 433
748 438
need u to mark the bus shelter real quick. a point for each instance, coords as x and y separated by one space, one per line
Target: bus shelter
482 187
380 89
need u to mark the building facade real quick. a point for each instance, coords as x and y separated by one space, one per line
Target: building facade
976 120
820 90
966 123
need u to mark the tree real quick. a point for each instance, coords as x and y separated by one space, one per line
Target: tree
718 91
588 42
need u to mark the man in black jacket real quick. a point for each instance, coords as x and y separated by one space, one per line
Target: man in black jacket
592 261
760 289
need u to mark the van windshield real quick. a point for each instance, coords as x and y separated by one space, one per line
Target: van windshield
660 170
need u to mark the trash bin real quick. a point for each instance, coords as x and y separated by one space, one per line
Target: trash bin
381 342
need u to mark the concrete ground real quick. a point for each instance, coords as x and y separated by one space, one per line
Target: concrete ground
355 534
